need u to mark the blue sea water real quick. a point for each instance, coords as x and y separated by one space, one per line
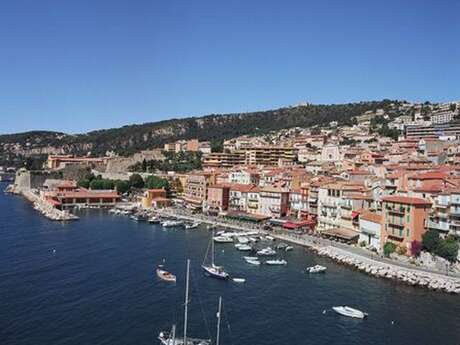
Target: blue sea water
93 282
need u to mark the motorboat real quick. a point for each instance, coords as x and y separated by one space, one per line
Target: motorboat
266 252
316 269
239 280
243 247
350 312
171 223
276 262
270 238
250 258
242 239
192 225
154 220
222 239
288 248
252 261
165 275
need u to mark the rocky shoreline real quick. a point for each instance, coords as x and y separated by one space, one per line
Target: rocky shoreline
414 277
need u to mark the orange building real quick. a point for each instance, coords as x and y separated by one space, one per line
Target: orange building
403 220
156 198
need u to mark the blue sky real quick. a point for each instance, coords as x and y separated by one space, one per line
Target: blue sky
77 65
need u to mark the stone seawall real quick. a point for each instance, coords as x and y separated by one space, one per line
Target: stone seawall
412 277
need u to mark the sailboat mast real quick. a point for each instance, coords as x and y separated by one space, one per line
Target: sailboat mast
186 302
174 335
212 249
218 321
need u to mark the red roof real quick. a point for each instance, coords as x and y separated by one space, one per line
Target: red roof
406 200
88 194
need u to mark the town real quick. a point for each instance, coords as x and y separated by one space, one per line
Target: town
386 183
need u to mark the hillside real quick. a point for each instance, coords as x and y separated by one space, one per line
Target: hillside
132 138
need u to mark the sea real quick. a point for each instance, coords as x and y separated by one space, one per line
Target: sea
93 282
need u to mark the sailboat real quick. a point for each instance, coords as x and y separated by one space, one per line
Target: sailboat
213 270
169 338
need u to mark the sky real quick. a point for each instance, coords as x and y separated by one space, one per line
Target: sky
79 65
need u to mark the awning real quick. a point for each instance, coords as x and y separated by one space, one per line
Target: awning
341 233
246 216
296 225
354 214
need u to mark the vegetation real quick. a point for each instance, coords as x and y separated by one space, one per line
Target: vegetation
389 248
215 128
155 182
179 162
415 248
446 248
136 181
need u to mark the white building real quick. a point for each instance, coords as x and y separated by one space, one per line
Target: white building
370 229
330 153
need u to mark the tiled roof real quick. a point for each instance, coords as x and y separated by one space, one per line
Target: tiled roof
406 200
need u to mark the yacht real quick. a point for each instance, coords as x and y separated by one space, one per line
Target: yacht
192 226
316 269
212 270
243 247
171 223
350 312
266 252
223 239
154 220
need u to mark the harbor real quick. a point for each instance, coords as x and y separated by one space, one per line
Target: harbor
95 281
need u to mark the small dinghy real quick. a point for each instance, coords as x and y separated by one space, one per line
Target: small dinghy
239 280
316 269
288 248
252 260
350 312
276 262
223 239
165 275
192 226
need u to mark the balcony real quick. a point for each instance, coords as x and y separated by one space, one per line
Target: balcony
455 211
438 226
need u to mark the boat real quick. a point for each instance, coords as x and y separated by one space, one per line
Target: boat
253 261
171 223
213 270
270 238
239 280
243 247
281 245
276 262
154 220
242 239
350 312
222 239
316 269
165 275
266 252
169 338
288 248
192 226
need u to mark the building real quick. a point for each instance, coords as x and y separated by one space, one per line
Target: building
59 161
81 197
370 229
156 198
196 188
404 220
433 131
330 153
273 202
218 198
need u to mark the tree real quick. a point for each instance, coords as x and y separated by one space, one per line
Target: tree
389 248
217 146
155 182
96 184
122 186
144 165
83 183
108 184
447 249
430 240
136 181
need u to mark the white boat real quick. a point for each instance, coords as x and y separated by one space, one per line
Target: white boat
243 247
270 238
169 338
254 262
223 239
253 239
350 312
276 262
316 269
154 220
171 223
266 252
213 270
242 239
239 280
165 275
250 258
192 226
288 248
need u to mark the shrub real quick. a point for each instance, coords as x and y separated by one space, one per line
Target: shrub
415 248
401 250
83 183
136 181
389 248
122 186
447 249
430 240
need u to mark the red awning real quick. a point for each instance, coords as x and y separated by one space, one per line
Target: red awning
354 214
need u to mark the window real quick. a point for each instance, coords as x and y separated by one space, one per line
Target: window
400 233
407 232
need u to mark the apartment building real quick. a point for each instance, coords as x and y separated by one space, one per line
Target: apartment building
273 202
404 220
196 188
370 229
